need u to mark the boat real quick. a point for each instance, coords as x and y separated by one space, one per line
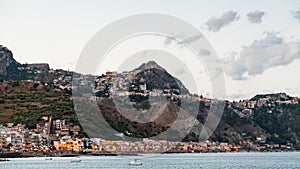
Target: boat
3 159
10 154
69 155
75 160
48 158
135 162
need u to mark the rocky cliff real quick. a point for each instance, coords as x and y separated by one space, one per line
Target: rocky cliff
6 61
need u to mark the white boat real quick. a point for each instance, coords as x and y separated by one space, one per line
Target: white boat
135 162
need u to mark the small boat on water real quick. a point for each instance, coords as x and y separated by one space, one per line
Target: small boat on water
135 162
48 158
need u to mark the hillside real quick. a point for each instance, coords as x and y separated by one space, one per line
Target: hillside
27 102
29 92
263 119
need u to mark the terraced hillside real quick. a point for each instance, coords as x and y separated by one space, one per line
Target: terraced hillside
26 102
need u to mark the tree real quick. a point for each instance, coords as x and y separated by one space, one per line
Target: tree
9 146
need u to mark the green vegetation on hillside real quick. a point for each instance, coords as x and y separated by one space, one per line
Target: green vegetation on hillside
26 102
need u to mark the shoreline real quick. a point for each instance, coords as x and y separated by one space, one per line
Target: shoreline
12 155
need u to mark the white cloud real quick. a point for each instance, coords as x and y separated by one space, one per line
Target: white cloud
232 68
261 55
255 16
297 14
216 23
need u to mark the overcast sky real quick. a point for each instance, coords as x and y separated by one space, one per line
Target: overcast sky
258 41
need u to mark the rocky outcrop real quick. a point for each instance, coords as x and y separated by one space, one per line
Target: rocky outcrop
157 77
6 61
10 69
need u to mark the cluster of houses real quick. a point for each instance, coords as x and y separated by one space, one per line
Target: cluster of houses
245 107
19 138
113 84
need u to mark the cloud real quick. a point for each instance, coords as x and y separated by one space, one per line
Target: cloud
271 51
297 14
185 39
204 52
216 23
232 68
255 16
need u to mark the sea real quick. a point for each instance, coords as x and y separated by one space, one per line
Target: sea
253 160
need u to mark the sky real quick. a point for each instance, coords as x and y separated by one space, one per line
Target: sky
258 42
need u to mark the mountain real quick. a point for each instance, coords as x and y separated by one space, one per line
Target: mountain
140 82
262 120
149 65
157 77
10 69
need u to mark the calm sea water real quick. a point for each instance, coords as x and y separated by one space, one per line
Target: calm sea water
175 161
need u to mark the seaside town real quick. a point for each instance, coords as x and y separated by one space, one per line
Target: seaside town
53 137
42 141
